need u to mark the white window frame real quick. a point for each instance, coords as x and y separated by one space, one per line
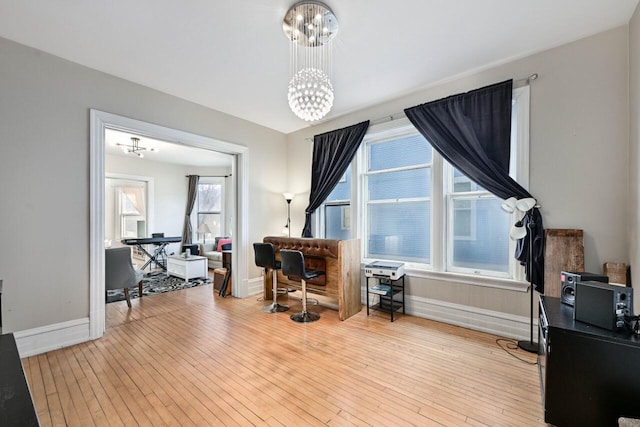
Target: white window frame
319 217
437 269
380 134
196 212
470 195
448 206
120 226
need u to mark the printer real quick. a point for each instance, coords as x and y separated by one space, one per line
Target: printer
384 270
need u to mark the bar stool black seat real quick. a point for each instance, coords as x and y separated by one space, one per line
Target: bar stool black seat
293 267
265 255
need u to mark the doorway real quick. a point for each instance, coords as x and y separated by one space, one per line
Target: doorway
100 121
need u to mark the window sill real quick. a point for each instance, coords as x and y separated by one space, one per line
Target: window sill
468 279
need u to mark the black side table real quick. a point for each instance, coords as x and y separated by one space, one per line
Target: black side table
387 289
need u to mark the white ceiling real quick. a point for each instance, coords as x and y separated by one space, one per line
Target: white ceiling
232 55
166 152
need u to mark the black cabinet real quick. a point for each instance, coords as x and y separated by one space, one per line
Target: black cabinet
16 405
590 376
390 295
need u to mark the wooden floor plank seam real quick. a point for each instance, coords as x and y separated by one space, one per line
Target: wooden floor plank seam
192 358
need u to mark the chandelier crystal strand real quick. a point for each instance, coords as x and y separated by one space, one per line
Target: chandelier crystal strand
310 27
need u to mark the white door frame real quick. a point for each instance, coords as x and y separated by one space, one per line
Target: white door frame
99 121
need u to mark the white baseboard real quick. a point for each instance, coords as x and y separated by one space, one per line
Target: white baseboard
51 337
255 286
493 322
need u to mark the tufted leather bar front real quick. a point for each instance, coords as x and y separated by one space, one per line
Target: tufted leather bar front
339 259
311 247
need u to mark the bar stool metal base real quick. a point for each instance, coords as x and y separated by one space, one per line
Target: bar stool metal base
275 308
305 317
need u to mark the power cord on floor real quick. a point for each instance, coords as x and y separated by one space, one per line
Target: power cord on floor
511 345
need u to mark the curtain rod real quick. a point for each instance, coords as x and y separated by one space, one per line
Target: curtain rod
395 116
211 176
525 82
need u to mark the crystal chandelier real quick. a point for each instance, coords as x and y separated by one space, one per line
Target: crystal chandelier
310 26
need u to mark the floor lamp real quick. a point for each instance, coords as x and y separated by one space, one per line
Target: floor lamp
288 197
517 232
204 229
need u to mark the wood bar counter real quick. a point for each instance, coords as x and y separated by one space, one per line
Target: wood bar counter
339 259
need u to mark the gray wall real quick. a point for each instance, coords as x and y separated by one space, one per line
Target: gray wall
44 175
579 167
578 152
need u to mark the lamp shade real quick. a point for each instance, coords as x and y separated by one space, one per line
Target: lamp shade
288 196
517 231
509 205
526 204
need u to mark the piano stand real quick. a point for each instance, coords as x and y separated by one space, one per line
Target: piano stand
159 256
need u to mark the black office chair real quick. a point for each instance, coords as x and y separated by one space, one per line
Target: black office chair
293 267
265 255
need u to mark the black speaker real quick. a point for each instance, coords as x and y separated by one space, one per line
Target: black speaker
603 305
568 281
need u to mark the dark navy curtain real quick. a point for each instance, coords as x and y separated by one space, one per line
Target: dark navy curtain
472 131
332 153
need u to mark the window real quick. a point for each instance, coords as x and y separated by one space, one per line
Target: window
478 232
398 198
337 210
418 209
209 206
131 211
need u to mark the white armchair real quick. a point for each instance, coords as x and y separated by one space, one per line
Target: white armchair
210 251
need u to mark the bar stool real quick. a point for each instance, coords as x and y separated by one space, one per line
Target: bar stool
265 255
293 267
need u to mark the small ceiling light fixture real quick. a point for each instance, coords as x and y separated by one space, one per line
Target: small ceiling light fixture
310 26
135 147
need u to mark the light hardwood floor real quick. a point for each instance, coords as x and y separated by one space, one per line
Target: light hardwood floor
191 358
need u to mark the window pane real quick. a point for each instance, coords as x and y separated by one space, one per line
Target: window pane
213 221
463 219
127 206
130 225
461 183
481 235
400 185
407 151
399 231
342 191
337 222
209 197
